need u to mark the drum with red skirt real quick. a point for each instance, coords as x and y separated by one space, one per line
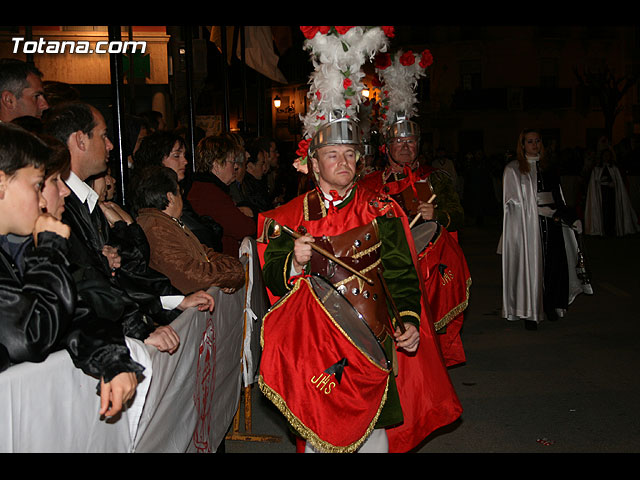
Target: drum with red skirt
447 281
322 366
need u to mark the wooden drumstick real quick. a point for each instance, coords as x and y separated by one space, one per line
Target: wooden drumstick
330 256
417 217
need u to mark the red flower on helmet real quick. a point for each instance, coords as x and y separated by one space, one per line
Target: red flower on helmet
346 83
310 32
426 59
388 31
303 147
342 30
407 58
382 61
347 103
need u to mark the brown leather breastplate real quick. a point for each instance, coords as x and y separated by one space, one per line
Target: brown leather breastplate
360 249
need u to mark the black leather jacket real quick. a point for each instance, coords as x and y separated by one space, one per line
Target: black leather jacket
95 346
37 300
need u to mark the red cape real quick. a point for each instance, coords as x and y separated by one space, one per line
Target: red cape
428 398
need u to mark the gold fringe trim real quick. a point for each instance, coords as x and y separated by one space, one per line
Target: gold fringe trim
309 434
453 313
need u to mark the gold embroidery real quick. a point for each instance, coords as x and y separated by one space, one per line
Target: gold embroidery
322 383
447 277
454 312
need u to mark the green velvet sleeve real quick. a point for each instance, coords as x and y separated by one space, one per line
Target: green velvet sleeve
277 264
399 272
449 213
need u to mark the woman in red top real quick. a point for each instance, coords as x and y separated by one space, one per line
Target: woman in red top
209 194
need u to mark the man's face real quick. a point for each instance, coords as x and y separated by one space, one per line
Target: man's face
97 146
257 169
403 150
21 200
335 166
32 101
176 160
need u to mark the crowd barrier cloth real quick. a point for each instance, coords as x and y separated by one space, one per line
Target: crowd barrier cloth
185 403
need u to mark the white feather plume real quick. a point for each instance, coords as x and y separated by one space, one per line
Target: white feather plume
400 81
335 58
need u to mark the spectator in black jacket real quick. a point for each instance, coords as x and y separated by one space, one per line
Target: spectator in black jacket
37 291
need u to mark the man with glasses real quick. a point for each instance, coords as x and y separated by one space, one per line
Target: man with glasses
403 168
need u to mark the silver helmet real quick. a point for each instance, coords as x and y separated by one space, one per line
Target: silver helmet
401 128
338 131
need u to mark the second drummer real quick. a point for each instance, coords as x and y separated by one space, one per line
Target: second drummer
446 275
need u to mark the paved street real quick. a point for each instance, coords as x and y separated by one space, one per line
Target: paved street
569 387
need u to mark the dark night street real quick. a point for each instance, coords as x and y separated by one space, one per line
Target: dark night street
569 387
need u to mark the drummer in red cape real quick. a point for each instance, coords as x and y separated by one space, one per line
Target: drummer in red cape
365 235
426 194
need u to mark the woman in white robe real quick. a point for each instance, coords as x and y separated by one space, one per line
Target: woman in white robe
605 178
539 254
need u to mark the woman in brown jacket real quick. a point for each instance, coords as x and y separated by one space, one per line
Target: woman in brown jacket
175 250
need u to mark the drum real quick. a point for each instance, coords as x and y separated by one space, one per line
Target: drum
424 234
322 366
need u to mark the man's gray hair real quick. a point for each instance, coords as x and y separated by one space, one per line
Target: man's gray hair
13 75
